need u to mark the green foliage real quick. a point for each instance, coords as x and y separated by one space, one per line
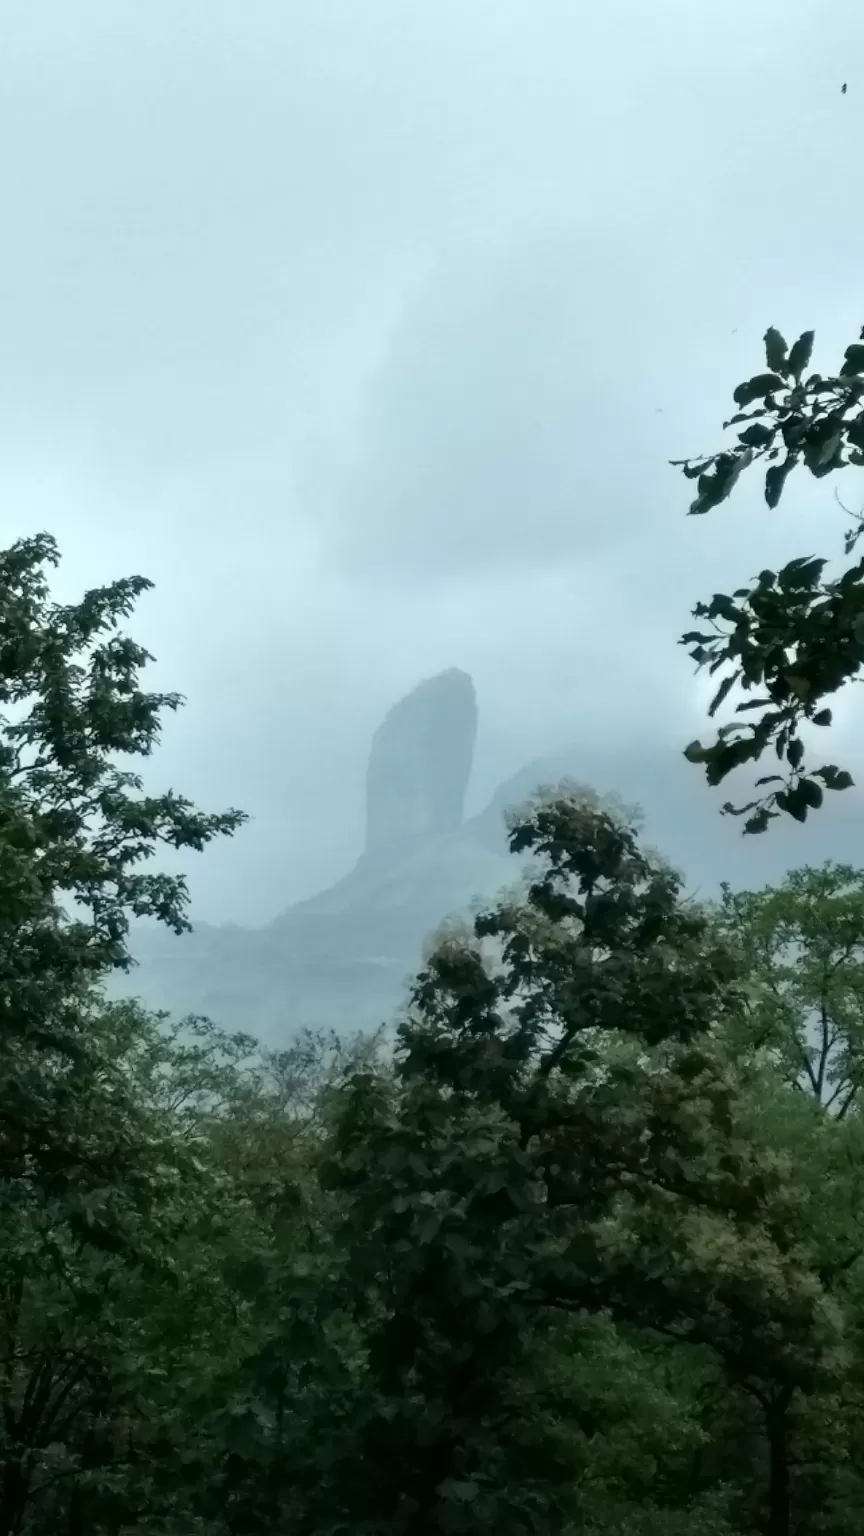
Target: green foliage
73 823
83 1171
803 944
567 1137
74 828
566 1263
793 636
582 1256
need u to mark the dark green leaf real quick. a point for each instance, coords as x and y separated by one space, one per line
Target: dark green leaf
775 350
822 445
464 1492
806 571
822 717
775 479
722 606
794 431
794 802
833 777
812 793
757 436
725 687
716 486
757 388
853 576
731 755
695 753
800 686
801 353
854 360
855 431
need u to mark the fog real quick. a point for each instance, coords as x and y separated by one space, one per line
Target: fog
367 330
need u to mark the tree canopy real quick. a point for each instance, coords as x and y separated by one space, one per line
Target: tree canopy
583 1253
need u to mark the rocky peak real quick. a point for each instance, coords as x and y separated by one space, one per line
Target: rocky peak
420 764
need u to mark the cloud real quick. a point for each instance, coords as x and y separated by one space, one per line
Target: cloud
512 422
367 331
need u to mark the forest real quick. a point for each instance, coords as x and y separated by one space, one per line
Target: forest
582 1252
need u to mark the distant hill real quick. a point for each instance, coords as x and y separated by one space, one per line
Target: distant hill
342 959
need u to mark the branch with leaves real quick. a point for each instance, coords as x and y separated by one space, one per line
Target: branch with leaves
793 637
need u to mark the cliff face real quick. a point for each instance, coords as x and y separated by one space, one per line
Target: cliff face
420 764
343 958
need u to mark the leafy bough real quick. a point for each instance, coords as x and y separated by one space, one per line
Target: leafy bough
793 638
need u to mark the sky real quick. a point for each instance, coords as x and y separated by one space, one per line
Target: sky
367 329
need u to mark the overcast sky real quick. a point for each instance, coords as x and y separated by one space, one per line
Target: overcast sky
367 329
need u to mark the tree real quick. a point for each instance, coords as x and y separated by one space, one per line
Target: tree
74 826
78 825
184 1366
803 944
83 1171
793 636
568 1138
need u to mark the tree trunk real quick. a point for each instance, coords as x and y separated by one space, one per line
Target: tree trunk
779 1492
14 1492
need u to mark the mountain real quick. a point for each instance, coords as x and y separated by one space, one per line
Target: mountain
342 959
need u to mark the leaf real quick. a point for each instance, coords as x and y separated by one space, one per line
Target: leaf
812 793
834 778
771 778
821 446
719 483
806 571
725 687
794 802
757 436
853 576
731 755
794 430
722 606
801 686
802 351
464 1491
854 361
855 431
740 416
775 479
794 752
822 717
775 350
759 821
695 752
757 388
